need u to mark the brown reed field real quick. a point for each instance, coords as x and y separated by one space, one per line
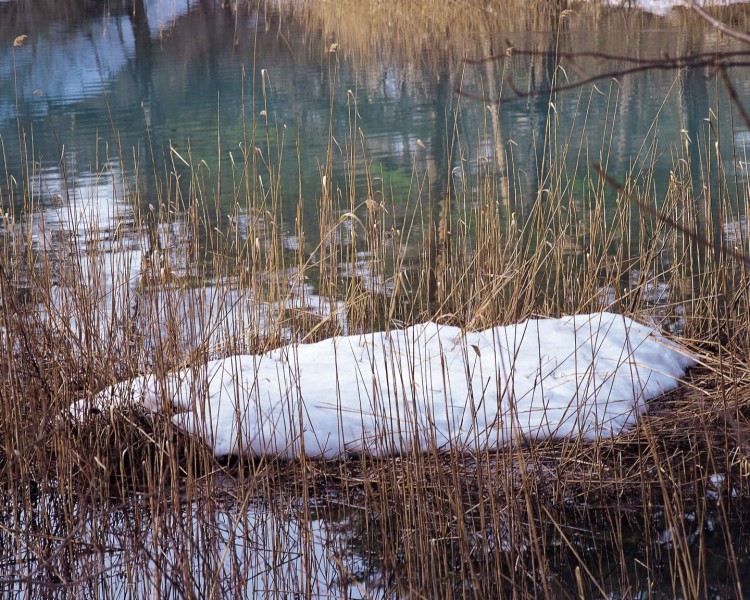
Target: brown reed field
124 504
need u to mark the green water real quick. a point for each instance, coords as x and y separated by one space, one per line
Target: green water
108 87
142 105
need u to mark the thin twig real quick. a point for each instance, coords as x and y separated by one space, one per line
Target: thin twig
734 97
725 29
663 64
697 57
718 246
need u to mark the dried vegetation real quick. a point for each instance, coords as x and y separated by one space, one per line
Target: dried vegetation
125 505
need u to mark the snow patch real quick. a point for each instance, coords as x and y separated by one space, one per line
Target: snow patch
426 387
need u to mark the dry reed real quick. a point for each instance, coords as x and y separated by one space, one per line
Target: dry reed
125 505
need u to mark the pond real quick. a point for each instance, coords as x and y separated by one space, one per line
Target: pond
151 84
154 104
231 159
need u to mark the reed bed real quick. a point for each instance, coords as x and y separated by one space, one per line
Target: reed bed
125 505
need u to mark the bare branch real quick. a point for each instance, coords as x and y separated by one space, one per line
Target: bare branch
605 57
717 60
725 29
733 95
717 246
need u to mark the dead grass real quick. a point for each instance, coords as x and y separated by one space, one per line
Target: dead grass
126 504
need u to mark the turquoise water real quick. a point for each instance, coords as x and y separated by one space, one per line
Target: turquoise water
144 85
119 106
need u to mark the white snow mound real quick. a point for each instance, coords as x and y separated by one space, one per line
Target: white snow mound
425 387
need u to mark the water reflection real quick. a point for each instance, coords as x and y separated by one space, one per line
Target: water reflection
163 74
70 62
148 84
231 544
206 549
664 7
144 276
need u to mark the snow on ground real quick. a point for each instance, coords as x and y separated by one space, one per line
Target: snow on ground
664 7
426 387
